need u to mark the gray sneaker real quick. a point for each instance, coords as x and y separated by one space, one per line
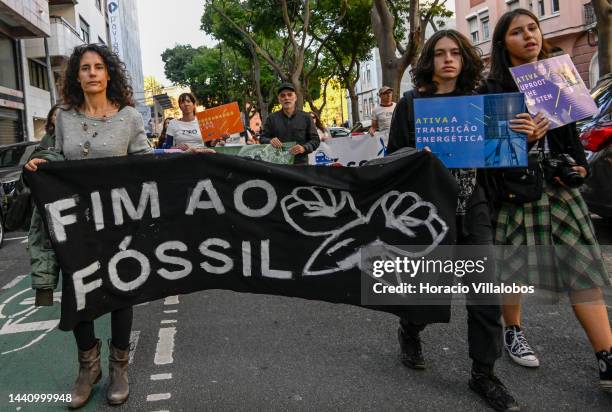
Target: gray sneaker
518 348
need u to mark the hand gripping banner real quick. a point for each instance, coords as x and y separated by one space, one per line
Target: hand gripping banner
135 229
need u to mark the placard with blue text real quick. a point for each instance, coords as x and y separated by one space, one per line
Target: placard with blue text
471 131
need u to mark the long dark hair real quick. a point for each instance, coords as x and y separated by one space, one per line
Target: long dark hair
471 62
317 121
191 98
118 90
162 136
500 58
50 126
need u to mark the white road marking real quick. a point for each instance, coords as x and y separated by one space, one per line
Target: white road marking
165 346
161 376
24 241
143 304
170 311
16 238
167 321
171 300
157 397
13 282
134 336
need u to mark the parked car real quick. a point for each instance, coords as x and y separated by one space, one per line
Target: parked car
361 127
339 131
595 135
12 159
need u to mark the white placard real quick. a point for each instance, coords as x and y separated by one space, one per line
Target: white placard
350 151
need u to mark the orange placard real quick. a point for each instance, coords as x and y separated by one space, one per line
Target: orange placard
219 120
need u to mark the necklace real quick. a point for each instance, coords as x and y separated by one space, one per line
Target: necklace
86 147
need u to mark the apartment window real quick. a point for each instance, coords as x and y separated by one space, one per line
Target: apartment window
554 6
38 75
473 24
9 66
84 30
99 4
513 5
369 75
484 22
541 9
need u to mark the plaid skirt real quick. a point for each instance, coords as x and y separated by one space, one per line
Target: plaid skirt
550 243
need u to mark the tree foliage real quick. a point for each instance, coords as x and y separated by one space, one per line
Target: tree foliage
399 27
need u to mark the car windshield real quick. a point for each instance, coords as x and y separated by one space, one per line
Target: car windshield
16 155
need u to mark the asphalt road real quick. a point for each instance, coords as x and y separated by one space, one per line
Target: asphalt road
219 350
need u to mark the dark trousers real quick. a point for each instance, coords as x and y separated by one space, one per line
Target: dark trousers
484 320
121 327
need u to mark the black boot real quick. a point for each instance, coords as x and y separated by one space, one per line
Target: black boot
492 390
604 359
411 351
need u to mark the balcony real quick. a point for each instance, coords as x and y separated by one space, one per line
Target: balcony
64 38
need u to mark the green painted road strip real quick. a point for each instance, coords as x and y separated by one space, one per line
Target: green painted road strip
35 356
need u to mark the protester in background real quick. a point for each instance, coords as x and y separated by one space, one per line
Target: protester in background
251 136
185 132
322 131
450 66
98 120
382 114
162 137
559 220
48 140
291 125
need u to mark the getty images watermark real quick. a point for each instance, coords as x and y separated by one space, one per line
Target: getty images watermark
416 275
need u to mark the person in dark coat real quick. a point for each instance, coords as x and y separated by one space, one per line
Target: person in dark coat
450 66
291 125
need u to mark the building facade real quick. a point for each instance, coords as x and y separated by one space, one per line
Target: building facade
130 44
19 19
566 24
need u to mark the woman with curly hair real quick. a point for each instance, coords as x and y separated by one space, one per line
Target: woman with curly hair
97 120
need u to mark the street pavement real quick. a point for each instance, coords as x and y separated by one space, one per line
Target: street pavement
220 350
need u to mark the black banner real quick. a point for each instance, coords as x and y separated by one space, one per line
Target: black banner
134 229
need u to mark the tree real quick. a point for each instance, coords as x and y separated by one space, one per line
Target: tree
215 75
255 20
263 81
355 30
390 35
175 60
152 87
603 12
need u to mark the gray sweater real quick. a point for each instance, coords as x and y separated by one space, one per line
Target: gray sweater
79 136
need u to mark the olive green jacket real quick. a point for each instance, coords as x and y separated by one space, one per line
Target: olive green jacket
45 267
